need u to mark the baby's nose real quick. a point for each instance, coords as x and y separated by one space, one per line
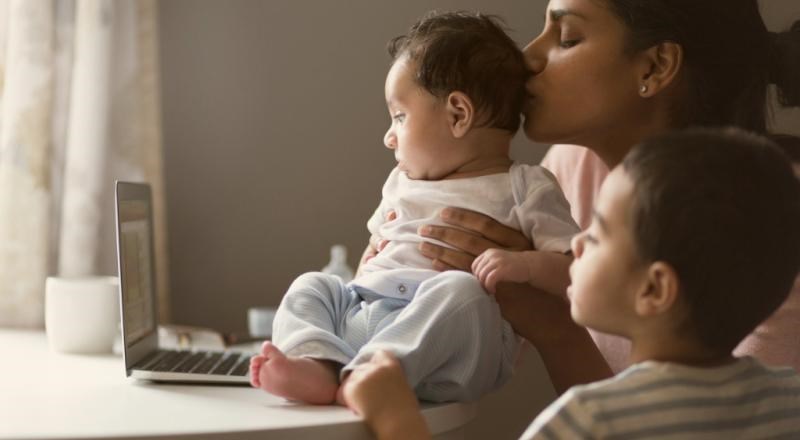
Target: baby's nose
577 245
390 140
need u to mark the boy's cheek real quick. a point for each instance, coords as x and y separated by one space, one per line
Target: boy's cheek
572 271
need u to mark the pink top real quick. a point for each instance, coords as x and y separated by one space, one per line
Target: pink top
580 173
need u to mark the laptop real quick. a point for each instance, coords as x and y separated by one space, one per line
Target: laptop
143 357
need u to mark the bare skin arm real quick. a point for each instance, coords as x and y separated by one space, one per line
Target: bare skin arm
549 271
567 350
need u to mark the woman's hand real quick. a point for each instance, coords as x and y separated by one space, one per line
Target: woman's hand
471 233
378 391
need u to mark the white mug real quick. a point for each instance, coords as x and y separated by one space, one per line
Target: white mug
81 314
259 321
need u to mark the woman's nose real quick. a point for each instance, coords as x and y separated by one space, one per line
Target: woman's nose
534 58
390 140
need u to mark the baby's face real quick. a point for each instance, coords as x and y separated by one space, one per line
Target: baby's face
420 134
606 272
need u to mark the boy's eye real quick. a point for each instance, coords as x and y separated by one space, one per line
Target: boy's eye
400 117
590 239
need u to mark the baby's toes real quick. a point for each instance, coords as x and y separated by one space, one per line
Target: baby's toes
255 368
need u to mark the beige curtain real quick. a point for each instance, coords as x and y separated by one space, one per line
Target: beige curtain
79 108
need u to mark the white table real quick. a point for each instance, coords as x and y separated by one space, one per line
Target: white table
47 395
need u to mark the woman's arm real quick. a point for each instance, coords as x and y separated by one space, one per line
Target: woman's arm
567 350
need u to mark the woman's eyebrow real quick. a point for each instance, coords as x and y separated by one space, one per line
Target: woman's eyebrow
558 14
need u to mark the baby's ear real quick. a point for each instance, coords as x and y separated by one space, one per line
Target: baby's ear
460 112
659 292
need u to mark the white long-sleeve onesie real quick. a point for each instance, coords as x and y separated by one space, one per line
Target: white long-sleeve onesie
445 329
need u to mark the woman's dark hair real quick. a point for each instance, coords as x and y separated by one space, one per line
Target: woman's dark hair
722 207
471 53
729 57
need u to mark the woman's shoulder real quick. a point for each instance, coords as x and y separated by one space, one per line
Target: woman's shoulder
571 163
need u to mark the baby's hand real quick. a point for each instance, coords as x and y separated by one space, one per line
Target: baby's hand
366 389
379 392
376 242
496 265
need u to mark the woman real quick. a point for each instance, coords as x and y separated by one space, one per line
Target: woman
607 75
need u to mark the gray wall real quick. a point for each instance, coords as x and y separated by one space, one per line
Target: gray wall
273 116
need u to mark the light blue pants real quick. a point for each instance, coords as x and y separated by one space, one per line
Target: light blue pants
450 337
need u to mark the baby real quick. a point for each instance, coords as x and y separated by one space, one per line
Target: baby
454 93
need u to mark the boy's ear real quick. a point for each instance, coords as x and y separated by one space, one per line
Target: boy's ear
460 113
660 66
660 290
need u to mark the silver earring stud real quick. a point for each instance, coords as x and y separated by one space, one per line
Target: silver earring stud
643 88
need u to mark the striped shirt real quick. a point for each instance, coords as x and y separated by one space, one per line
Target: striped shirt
658 400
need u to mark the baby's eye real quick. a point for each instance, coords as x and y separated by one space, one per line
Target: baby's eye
400 117
590 239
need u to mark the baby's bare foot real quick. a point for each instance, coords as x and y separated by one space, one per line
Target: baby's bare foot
255 366
295 378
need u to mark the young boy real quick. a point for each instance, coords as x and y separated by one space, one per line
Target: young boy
454 94
694 241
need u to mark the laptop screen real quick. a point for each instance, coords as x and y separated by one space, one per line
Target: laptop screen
136 263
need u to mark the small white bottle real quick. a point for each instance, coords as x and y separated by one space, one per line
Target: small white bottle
338 264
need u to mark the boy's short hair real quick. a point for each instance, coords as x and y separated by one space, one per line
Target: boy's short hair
722 207
470 53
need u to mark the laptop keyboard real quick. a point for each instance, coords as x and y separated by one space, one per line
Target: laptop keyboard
197 362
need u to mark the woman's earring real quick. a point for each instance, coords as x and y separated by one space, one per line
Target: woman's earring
643 89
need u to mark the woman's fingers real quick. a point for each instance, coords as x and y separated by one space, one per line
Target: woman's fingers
495 232
446 259
486 234
468 242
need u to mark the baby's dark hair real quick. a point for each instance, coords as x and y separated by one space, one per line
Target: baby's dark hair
470 53
722 207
